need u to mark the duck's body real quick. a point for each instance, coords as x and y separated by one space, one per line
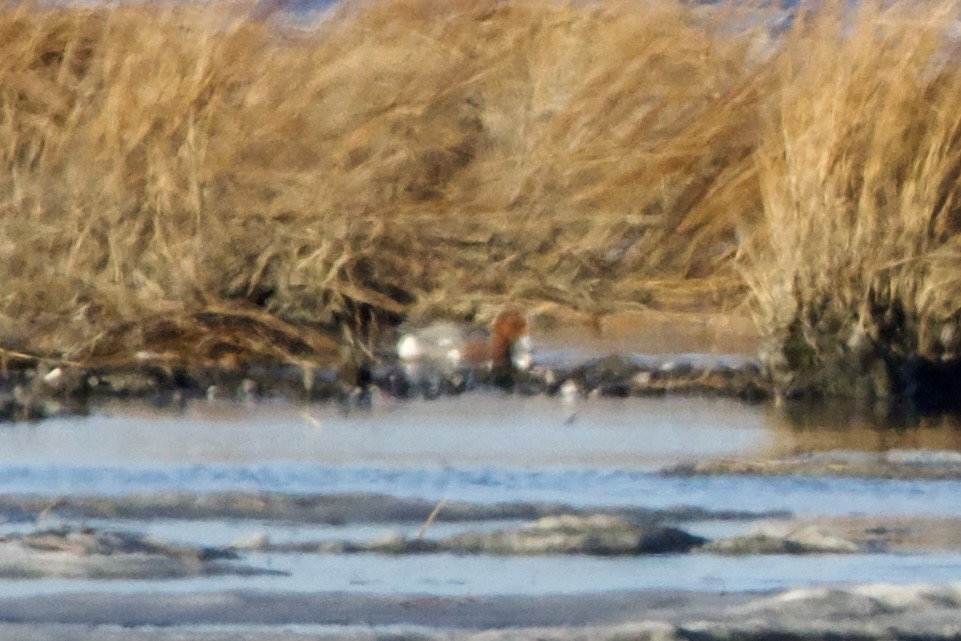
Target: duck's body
443 344
452 348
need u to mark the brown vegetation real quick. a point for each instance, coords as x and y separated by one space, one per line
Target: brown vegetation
216 182
857 268
401 156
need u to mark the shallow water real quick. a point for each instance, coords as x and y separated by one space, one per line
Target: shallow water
476 430
458 575
480 448
577 487
483 448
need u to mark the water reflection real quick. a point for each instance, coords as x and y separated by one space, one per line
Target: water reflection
476 430
839 424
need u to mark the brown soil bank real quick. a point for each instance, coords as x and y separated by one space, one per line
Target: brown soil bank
217 183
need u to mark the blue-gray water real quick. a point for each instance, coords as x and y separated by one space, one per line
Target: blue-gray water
451 574
476 448
578 487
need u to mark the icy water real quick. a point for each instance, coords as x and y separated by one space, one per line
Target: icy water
483 448
477 448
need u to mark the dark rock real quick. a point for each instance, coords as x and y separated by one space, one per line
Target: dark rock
599 535
609 376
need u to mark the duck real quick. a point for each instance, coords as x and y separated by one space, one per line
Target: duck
450 349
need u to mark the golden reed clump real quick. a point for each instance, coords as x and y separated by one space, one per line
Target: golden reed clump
175 170
855 264
215 178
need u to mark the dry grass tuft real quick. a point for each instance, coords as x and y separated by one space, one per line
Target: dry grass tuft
855 265
401 156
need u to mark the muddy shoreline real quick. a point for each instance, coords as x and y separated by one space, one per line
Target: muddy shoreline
623 354
332 509
35 394
889 464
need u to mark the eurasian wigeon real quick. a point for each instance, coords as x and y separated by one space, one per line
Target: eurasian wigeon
452 348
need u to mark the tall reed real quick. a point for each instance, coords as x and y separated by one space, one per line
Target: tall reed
854 265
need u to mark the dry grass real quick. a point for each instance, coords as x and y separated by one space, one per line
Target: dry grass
403 156
857 264
211 182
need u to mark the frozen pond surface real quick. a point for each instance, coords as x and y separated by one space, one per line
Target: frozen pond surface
477 448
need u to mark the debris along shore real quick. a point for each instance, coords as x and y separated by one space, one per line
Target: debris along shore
31 394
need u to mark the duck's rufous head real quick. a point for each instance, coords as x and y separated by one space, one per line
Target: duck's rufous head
510 340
